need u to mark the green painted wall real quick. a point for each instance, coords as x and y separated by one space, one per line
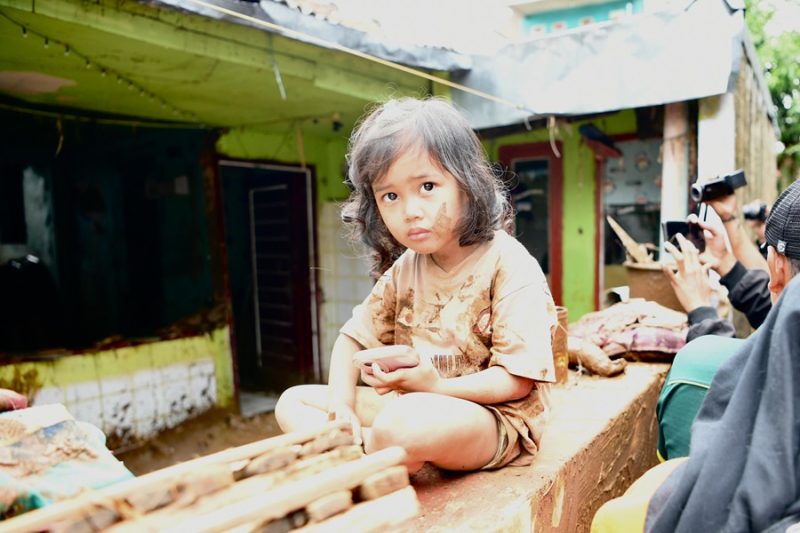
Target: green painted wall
579 202
325 154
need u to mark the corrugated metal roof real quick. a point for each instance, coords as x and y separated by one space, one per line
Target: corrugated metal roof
319 31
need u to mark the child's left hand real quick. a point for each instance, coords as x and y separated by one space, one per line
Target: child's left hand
422 378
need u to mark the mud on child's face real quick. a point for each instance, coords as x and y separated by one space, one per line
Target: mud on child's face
420 203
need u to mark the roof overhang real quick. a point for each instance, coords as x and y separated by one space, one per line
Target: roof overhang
293 24
127 61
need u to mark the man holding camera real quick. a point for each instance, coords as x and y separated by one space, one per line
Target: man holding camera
755 213
746 275
742 270
744 463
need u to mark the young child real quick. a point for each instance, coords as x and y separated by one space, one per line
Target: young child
463 294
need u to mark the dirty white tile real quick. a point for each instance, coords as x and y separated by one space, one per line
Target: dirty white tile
81 392
115 385
48 395
87 411
205 388
146 379
171 397
145 403
175 373
145 428
203 368
118 413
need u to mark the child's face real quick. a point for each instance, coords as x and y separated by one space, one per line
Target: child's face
421 205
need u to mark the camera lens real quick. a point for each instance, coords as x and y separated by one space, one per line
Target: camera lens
697 192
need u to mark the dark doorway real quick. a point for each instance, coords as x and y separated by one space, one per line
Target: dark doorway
271 252
530 199
537 196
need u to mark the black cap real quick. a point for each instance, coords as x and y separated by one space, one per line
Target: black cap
783 223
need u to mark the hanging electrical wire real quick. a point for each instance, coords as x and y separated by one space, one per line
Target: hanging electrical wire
291 33
336 46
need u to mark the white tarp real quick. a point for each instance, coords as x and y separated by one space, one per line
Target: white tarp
646 59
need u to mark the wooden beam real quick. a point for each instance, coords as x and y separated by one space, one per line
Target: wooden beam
41 519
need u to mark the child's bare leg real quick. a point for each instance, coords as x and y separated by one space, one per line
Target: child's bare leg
305 407
451 433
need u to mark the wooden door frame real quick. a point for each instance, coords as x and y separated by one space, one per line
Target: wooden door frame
511 153
599 234
314 282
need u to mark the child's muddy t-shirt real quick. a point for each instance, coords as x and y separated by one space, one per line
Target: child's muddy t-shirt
494 308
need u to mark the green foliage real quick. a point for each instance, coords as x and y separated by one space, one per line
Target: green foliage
779 58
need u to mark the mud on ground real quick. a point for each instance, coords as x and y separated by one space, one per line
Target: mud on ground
210 432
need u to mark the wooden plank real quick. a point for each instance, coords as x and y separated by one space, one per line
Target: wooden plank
637 251
375 515
42 519
186 490
272 460
247 488
383 483
329 505
292 496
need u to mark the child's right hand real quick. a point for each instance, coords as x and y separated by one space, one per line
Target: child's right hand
344 413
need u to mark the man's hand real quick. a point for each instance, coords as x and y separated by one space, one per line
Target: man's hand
690 283
725 206
717 255
422 378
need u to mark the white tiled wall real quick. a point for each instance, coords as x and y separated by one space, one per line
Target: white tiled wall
141 404
344 278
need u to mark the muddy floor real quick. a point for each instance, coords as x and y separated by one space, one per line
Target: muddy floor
208 433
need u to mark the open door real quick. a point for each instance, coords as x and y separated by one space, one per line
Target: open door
537 196
271 255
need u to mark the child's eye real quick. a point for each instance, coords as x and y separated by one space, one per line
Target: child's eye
428 186
390 196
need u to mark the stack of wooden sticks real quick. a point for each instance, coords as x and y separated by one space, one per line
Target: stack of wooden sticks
310 482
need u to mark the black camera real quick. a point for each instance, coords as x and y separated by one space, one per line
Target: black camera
692 231
722 186
755 211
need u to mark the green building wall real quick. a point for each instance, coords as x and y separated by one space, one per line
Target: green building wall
579 209
327 154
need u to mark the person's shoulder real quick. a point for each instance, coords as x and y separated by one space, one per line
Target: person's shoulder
510 249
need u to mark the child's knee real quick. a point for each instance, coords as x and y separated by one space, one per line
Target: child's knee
385 433
288 402
395 425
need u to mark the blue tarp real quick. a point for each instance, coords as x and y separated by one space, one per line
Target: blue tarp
53 462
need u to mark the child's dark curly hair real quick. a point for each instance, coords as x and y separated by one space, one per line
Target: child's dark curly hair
439 129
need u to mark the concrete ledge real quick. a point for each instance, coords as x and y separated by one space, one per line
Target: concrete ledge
602 436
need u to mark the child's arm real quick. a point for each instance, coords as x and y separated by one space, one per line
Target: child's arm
493 385
342 379
343 374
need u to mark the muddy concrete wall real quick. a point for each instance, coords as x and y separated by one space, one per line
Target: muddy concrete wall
134 392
